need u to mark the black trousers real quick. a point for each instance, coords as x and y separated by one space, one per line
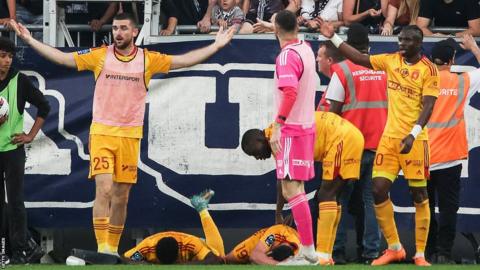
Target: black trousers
443 191
12 207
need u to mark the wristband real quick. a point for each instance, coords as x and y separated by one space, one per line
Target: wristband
336 40
416 130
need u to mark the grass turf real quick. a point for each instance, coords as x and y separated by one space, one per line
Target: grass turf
235 267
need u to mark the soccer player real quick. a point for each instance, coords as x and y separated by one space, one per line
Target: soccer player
448 145
359 95
339 146
122 72
412 90
294 131
177 248
268 246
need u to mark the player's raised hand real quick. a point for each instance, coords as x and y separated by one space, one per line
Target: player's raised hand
325 28
468 42
406 144
21 31
224 36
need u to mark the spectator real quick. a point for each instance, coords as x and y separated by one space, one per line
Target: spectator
367 12
94 14
188 12
449 13
30 11
261 9
400 13
328 10
7 11
226 13
260 14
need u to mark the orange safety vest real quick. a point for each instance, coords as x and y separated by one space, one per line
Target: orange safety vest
446 128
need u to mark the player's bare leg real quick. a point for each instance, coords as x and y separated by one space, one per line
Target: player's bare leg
386 220
294 192
118 214
101 209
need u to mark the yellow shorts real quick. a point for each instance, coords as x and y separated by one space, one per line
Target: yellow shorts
389 161
343 158
114 155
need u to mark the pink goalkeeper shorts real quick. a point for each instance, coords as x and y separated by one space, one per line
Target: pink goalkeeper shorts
295 159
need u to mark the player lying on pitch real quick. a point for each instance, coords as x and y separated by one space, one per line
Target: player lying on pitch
267 246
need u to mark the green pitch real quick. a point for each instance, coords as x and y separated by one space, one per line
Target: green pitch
235 267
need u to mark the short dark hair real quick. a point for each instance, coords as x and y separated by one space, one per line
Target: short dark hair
167 250
126 16
444 51
414 29
7 45
281 252
332 51
250 139
286 20
357 37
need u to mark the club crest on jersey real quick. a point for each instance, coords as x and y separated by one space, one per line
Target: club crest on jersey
83 51
269 240
137 257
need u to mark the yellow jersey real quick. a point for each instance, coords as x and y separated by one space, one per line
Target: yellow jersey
330 129
270 237
190 248
406 86
93 59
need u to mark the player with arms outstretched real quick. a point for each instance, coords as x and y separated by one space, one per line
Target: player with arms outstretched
413 87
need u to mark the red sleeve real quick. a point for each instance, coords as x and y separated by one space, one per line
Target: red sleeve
289 97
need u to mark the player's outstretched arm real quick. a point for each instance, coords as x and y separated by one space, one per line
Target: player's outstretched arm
52 54
197 56
327 30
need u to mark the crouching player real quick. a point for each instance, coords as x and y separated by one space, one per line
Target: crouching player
180 248
339 146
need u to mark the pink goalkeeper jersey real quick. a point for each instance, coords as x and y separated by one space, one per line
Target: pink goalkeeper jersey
295 67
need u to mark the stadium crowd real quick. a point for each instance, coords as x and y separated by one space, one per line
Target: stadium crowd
340 119
385 17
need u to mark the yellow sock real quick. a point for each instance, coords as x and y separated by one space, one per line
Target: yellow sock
100 227
114 234
386 220
335 227
212 235
325 224
422 224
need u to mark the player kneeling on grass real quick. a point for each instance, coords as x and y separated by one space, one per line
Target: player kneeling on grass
267 246
339 146
181 248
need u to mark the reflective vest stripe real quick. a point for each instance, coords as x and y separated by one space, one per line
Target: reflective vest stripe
353 97
453 121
